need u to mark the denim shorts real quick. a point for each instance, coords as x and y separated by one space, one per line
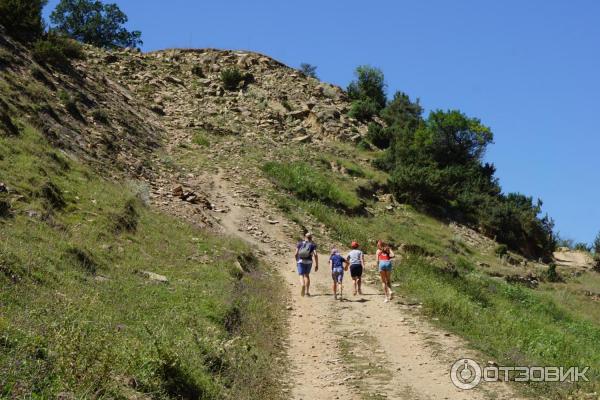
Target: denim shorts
304 269
385 265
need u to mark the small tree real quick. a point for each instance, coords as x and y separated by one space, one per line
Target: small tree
309 70
22 19
369 85
92 22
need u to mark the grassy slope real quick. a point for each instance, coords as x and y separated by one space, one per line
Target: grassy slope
208 333
512 324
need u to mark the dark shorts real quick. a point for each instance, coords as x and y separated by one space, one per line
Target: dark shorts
356 270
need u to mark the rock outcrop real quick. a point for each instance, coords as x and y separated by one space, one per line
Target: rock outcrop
186 87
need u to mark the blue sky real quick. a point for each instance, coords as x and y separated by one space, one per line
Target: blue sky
528 69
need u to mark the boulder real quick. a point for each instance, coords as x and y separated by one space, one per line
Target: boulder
178 191
302 139
154 276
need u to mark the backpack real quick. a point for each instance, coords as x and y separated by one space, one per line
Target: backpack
305 251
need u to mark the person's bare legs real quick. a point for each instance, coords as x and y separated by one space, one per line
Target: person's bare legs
335 289
307 284
359 284
355 285
388 276
302 284
383 276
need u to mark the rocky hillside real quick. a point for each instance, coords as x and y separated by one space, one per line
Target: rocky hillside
274 100
84 113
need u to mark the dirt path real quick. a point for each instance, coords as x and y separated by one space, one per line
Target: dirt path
356 348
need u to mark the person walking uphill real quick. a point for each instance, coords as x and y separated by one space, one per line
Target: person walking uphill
338 264
306 251
356 258
384 263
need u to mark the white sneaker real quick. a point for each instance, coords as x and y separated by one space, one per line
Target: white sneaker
386 300
391 295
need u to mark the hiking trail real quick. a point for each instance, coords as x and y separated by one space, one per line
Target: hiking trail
356 348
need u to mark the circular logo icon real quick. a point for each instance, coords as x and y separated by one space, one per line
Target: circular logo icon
465 374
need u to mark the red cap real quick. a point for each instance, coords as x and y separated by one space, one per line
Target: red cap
354 245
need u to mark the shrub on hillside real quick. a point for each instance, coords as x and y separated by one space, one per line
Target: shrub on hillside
231 78
100 115
379 136
363 110
197 70
127 219
552 275
52 196
5 207
22 19
69 102
307 183
7 126
309 70
501 250
596 245
83 259
56 50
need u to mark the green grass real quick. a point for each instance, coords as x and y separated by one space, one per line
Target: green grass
513 324
77 315
309 183
408 227
200 138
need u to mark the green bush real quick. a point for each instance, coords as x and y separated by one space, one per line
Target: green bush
197 70
22 19
56 50
307 183
7 125
69 102
379 136
127 219
231 78
363 109
501 250
100 115
552 275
